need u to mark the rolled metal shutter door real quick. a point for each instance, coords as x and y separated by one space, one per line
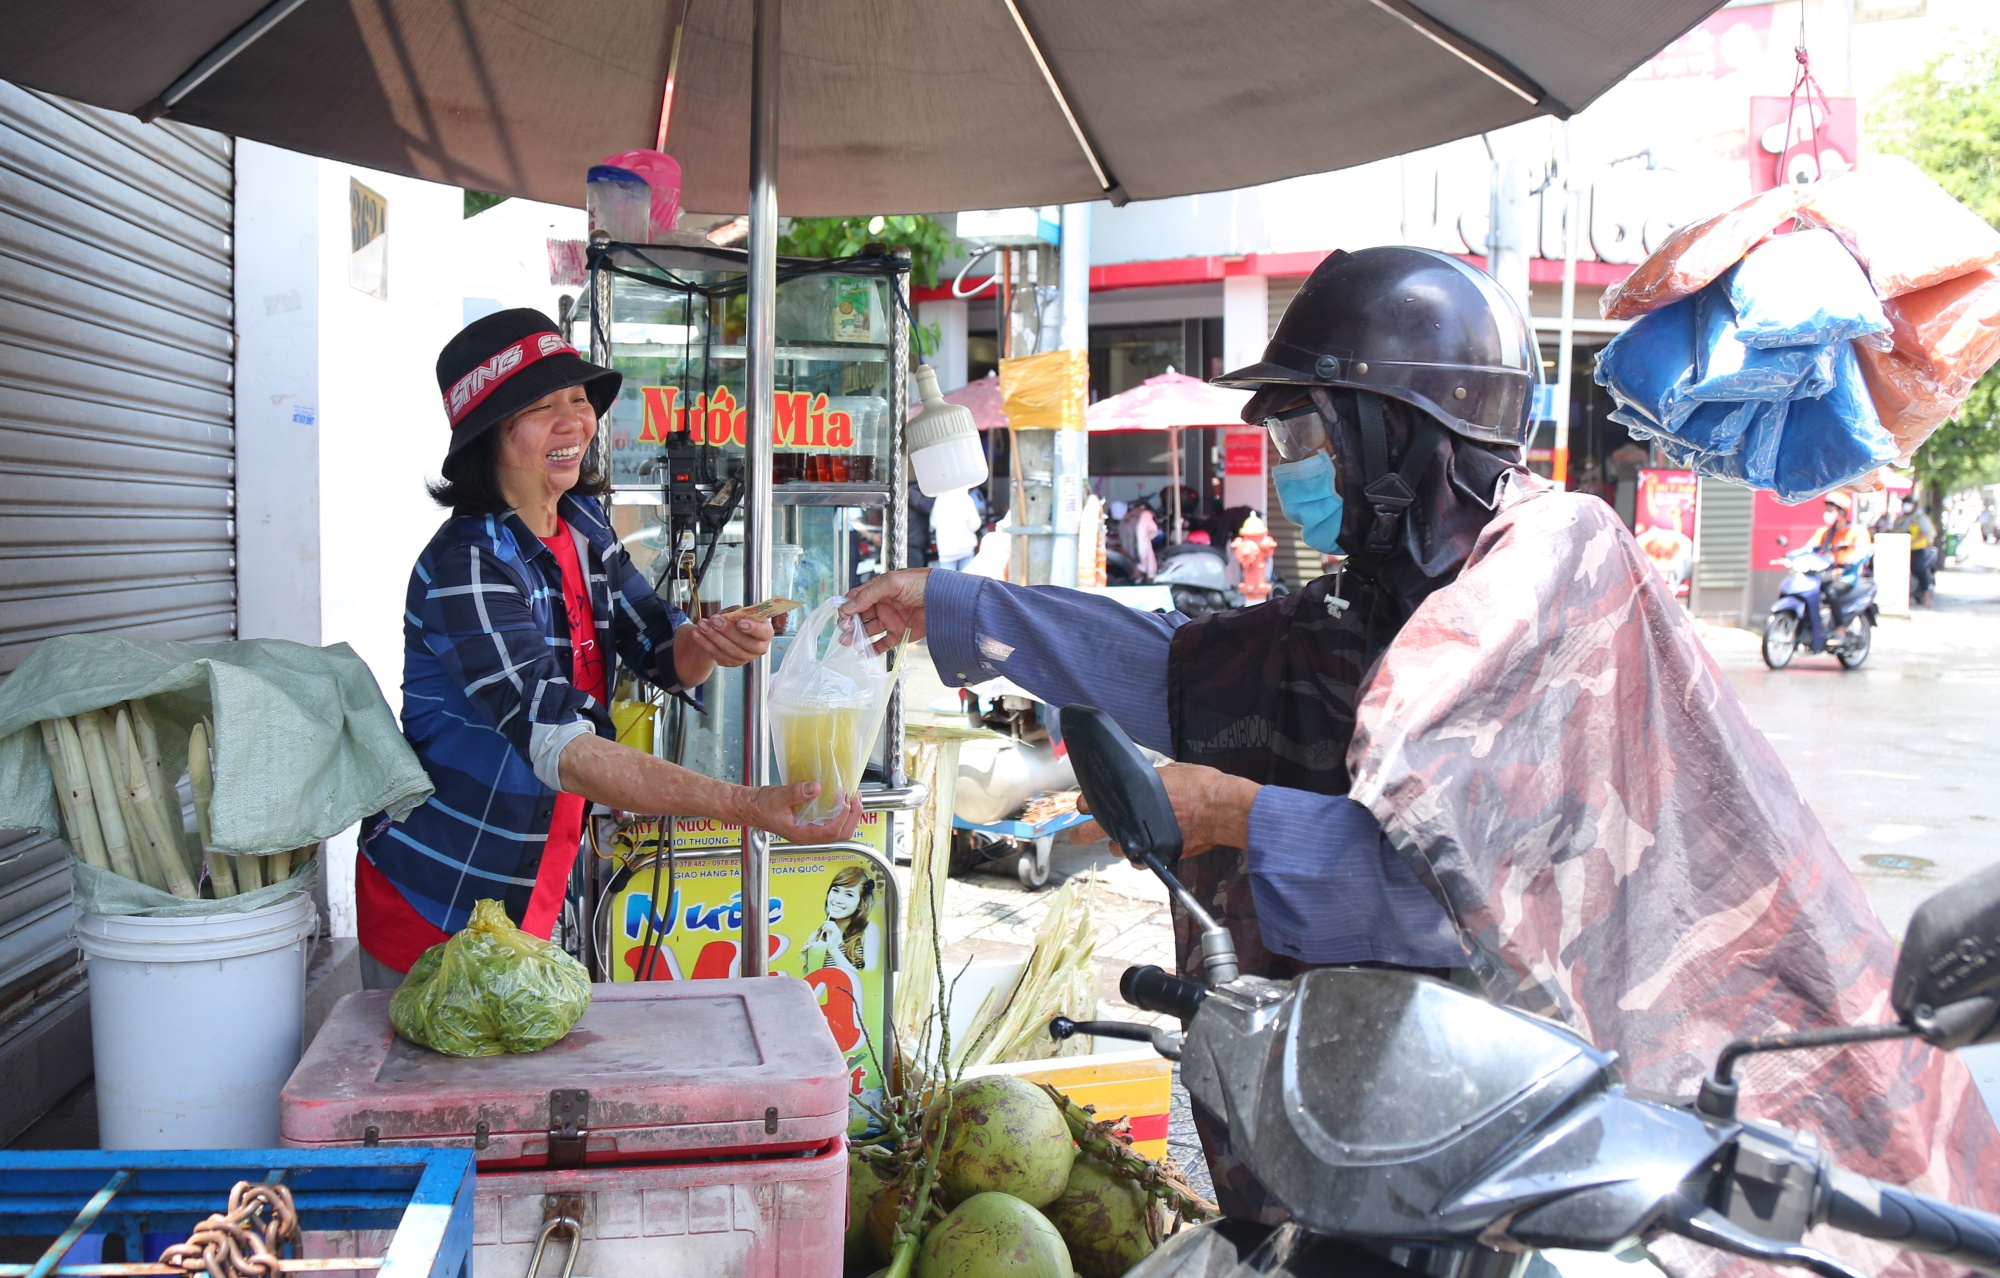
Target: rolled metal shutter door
116 460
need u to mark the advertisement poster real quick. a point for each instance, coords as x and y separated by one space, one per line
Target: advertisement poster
1663 521
829 925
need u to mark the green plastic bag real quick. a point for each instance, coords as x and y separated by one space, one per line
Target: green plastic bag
490 989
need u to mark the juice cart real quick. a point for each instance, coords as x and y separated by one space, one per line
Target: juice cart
674 320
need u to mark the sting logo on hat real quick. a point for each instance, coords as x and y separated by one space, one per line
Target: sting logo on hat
470 390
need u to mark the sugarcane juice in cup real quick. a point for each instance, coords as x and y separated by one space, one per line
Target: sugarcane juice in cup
823 742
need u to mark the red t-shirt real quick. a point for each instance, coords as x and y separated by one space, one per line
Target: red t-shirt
391 930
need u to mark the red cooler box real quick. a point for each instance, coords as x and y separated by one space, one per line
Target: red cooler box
695 1128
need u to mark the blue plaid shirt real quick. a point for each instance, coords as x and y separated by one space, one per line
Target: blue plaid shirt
488 704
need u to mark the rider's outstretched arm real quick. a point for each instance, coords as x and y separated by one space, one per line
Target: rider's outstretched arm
1064 646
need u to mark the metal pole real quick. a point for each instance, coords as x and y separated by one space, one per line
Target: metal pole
760 388
1566 339
896 515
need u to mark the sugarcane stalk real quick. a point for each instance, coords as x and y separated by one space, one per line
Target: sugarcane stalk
171 861
128 812
225 873
73 779
65 793
105 791
279 868
165 793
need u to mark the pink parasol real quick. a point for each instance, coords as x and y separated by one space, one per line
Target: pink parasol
982 397
1171 402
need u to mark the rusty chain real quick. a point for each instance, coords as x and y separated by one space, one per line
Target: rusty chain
243 1241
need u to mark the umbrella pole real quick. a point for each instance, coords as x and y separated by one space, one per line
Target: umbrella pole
1176 534
760 386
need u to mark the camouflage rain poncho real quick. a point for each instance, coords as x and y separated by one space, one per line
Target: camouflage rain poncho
1556 754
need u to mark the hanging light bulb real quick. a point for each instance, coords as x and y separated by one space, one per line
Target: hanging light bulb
943 441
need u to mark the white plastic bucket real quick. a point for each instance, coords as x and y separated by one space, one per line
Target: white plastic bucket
196 1024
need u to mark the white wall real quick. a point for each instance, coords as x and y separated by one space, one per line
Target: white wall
382 430
950 358
339 419
277 395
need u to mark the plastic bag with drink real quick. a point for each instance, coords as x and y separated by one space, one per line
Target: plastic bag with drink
826 705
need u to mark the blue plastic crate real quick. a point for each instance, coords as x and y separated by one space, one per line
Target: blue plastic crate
424 1195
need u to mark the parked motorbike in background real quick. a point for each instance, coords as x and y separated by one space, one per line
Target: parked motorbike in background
1403 1125
1821 607
1198 575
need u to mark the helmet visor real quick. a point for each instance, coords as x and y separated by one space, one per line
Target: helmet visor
1297 433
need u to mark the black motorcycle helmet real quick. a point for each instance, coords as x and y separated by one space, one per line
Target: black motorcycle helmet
1409 323
1416 373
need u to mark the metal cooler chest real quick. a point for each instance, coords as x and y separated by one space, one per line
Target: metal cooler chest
689 1128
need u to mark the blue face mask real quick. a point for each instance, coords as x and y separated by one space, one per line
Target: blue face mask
1306 491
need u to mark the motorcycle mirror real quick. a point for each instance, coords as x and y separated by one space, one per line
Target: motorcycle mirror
1947 985
1784 540
1125 793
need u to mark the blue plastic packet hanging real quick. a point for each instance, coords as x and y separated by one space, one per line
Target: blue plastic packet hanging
1648 366
1714 427
1759 430
1727 371
1803 289
1832 440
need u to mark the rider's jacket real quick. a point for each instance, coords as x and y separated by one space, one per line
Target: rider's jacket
1850 545
1267 694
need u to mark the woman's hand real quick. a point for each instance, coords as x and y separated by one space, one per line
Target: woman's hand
701 646
1213 809
891 605
775 808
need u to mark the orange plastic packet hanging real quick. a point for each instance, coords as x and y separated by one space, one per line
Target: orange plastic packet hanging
1952 330
1908 399
1907 230
1699 253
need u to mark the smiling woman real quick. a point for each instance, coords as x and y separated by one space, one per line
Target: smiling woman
516 613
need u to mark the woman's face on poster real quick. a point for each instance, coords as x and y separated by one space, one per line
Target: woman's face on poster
842 900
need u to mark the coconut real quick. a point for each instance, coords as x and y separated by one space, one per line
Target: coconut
863 1183
1102 1216
1006 1137
993 1236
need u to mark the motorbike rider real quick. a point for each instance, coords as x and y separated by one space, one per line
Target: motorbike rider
1520 717
1923 548
1843 541
1838 537
1257 705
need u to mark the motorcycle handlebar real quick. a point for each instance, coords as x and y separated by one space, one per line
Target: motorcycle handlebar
1152 989
1911 1221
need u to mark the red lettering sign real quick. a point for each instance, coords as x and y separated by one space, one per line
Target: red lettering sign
802 419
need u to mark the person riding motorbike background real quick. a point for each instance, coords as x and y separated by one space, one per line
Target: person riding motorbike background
1826 603
1923 549
1839 537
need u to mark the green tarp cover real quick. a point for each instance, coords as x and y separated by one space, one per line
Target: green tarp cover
304 744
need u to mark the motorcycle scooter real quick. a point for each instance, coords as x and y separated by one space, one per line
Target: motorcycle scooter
1403 1125
1833 606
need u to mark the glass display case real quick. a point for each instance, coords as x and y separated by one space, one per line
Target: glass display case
672 320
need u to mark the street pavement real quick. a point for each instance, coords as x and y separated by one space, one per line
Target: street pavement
1900 760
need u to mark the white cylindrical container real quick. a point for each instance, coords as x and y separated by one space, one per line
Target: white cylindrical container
196 1023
